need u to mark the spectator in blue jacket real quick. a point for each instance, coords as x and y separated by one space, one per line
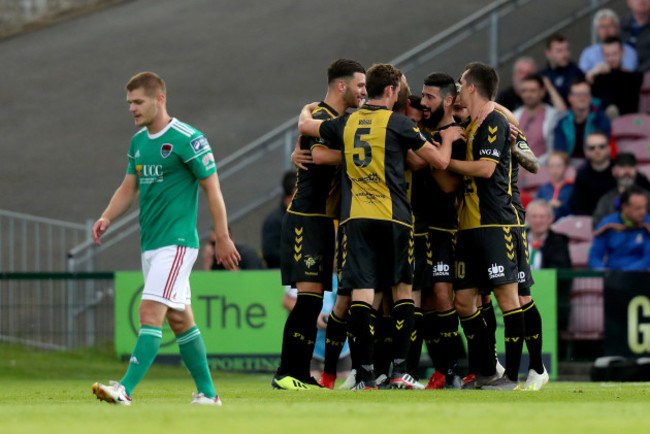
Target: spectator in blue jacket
606 24
582 119
561 71
622 239
557 192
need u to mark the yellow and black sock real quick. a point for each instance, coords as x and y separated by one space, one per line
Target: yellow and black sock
403 316
334 341
415 348
513 320
533 334
480 360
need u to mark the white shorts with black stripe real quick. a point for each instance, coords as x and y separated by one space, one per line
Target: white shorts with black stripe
167 275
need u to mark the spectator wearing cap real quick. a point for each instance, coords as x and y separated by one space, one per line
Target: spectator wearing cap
561 71
510 97
635 30
606 24
547 249
537 119
594 177
557 192
582 119
617 88
622 239
625 172
272 226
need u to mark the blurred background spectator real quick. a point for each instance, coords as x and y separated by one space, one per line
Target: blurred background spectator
594 178
613 85
547 248
622 239
557 192
538 119
272 227
250 258
625 172
635 30
560 69
581 119
606 25
510 97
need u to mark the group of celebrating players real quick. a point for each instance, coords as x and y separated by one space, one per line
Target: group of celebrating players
430 224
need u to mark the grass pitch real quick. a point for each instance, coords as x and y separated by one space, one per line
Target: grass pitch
51 393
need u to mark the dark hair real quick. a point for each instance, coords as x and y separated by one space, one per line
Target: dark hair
535 77
556 37
380 76
628 192
577 81
597 133
343 68
625 159
613 40
289 182
149 81
444 82
484 77
415 101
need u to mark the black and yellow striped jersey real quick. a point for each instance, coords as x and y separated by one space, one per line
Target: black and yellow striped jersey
488 201
375 142
318 189
433 208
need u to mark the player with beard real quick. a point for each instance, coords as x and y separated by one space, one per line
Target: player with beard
308 240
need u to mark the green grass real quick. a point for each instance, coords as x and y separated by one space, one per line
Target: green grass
50 393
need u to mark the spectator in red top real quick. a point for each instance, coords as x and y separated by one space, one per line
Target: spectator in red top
559 189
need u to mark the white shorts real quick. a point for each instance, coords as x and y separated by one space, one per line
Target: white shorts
167 275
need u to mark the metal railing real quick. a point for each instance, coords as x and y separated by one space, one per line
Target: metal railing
284 136
57 311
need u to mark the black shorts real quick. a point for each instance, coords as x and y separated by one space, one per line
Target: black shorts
423 263
376 254
307 250
487 257
525 277
442 247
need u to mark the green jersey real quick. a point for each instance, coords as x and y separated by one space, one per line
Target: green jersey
168 165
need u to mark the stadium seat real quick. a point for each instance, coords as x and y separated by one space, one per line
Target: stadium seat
631 127
640 148
579 253
576 227
586 317
531 182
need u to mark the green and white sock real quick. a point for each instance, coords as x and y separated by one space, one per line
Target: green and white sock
144 353
194 357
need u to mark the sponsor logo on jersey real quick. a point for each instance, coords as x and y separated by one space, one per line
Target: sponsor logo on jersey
523 145
166 149
208 160
441 269
496 271
490 152
199 144
137 154
522 277
149 173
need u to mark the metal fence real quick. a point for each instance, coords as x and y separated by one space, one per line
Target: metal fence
57 311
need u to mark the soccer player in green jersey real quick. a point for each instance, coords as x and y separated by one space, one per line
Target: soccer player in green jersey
168 160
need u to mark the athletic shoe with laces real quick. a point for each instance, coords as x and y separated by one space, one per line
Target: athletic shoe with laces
350 381
312 383
404 380
201 399
503 383
286 382
365 385
436 381
535 381
327 380
453 381
115 393
478 381
383 382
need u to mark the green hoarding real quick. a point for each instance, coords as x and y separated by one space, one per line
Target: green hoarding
241 317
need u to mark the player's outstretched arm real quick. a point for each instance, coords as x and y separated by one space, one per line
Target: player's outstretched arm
225 252
323 155
525 157
306 123
475 168
121 201
300 157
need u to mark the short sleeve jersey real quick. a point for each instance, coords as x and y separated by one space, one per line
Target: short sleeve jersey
488 202
375 141
168 165
432 207
318 189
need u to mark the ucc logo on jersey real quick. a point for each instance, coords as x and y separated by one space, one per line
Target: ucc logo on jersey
166 149
199 144
149 173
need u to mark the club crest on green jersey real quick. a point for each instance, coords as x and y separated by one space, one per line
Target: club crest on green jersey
166 149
